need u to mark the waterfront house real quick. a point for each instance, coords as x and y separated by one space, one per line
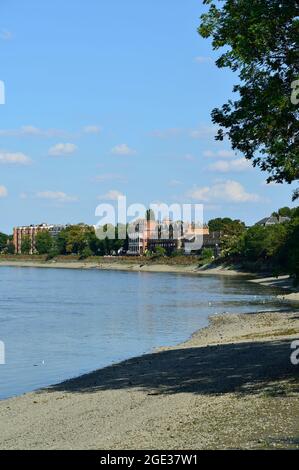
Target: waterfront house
272 220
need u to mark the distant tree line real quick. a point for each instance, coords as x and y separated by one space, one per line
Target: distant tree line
271 248
77 239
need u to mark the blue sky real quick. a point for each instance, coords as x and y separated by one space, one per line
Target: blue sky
108 97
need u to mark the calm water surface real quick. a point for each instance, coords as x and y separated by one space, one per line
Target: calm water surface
60 323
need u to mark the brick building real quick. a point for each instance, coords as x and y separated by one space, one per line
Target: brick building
31 231
148 235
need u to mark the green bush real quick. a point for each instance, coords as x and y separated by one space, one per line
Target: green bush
160 251
207 253
25 245
86 253
43 243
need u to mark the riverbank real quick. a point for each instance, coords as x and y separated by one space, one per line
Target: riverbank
231 385
281 282
135 265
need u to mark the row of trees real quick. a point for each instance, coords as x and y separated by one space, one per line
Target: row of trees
78 240
6 244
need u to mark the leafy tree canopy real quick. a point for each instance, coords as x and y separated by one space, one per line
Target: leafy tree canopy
25 245
82 240
287 212
43 242
160 251
74 239
10 248
260 41
264 242
3 241
227 226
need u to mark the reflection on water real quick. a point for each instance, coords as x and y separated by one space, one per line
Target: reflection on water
58 324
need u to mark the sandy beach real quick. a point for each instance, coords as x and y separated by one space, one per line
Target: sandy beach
231 385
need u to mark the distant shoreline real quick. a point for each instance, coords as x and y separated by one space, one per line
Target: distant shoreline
282 282
134 266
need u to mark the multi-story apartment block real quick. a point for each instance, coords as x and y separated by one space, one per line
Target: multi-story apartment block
31 231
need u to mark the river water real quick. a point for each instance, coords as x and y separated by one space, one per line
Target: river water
60 323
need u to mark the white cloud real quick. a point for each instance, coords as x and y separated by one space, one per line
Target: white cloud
6 35
111 195
226 191
219 153
32 131
203 132
3 191
189 158
203 59
58 196
123 149
271 183
92 129
200 194
224 166
62 149
166 133
226 153
17 158
175 183
109 177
